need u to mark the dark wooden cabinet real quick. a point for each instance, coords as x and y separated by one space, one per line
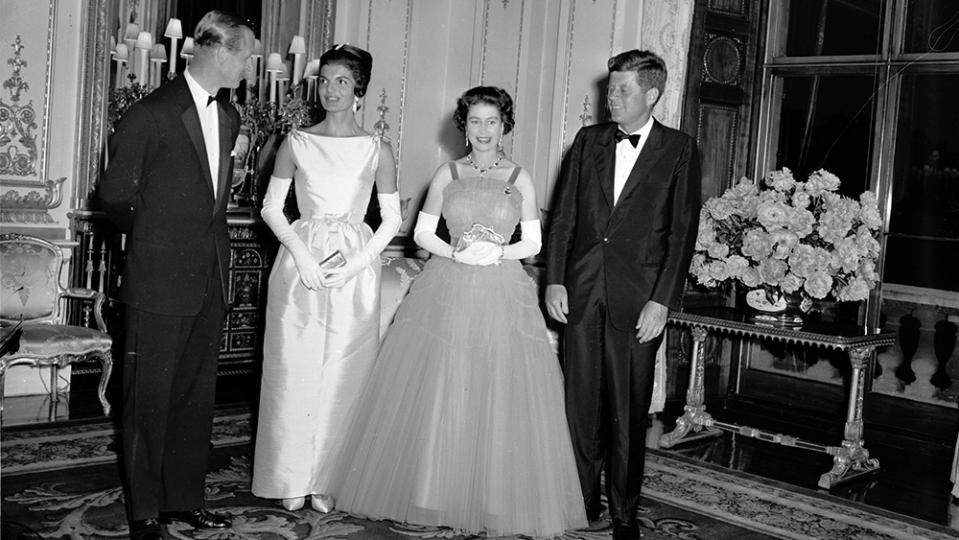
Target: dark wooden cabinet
252 249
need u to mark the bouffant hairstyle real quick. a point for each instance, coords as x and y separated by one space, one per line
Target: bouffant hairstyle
490 95
650 68
355 59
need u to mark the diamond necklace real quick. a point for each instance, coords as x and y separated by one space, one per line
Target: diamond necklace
469 159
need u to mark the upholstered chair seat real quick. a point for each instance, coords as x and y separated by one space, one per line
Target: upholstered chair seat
53 339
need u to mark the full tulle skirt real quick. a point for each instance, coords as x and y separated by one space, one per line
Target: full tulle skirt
318 349
463 423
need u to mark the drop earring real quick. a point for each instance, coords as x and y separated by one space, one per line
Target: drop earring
356 103
467 140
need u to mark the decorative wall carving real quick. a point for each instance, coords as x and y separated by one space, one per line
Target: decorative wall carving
723 60
17 122
31 207
25 100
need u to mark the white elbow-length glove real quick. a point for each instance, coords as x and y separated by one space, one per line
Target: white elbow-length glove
272 213
425 236
531 240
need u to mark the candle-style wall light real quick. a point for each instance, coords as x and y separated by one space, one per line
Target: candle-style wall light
174 31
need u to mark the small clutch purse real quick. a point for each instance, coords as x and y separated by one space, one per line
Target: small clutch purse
478 233
332 261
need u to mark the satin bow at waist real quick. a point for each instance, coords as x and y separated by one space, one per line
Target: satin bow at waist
318 230
351 218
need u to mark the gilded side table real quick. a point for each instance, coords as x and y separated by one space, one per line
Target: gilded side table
851 459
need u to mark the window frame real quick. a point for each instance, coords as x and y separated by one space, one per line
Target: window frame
889 67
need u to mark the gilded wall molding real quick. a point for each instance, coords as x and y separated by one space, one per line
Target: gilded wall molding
92 101
404 78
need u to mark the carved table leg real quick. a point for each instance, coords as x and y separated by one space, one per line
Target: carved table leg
695 417
852 459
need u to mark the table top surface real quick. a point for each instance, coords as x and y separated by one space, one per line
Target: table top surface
812 332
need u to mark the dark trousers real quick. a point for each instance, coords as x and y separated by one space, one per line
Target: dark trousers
169 382
609 385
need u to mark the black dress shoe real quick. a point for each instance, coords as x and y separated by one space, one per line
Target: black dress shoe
626 530
201 518
147 529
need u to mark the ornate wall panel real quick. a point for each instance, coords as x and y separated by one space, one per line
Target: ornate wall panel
723 61
551 56
41 44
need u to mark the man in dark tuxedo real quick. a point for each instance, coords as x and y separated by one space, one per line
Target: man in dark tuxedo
166 187
623 228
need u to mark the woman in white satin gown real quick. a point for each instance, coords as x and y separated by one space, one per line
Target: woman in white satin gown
322 325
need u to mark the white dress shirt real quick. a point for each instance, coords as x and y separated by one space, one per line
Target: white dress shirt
209 122
626 158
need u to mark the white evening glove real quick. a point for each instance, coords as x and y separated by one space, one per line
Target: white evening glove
356 262
531 240
424 234
272 213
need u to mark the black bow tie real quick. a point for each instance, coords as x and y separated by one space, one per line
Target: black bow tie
633 139
211 99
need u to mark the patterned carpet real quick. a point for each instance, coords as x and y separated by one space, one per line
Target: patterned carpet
64 483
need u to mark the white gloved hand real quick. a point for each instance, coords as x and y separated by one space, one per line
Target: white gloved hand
337 277
480 254
306 266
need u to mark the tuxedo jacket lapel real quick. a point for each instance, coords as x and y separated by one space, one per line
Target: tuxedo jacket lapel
605 161
192 123
226 149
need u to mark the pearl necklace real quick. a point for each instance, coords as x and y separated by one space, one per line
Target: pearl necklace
469 159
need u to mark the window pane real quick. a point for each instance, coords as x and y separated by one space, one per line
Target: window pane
845 27
923 246
826 123
931 26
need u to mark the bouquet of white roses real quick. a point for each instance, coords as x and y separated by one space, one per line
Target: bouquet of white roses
791 237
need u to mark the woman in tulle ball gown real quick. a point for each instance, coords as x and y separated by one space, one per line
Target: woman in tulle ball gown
322 318
462 424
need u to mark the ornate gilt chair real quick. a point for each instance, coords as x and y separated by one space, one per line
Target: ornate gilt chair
30 291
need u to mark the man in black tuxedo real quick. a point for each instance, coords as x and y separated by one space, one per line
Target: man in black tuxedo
624 224
166 187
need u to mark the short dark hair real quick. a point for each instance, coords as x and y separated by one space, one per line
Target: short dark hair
490 95
355 59
649 67
219 27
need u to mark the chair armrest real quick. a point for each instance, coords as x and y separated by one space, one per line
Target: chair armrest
98 300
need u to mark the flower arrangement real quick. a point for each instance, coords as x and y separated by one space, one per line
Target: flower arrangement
790 237
120 99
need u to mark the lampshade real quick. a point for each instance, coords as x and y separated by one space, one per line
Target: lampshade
122 53
187 51
158 53
274 62
312 69
145 40
174 29
284 74
298 45
133 30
